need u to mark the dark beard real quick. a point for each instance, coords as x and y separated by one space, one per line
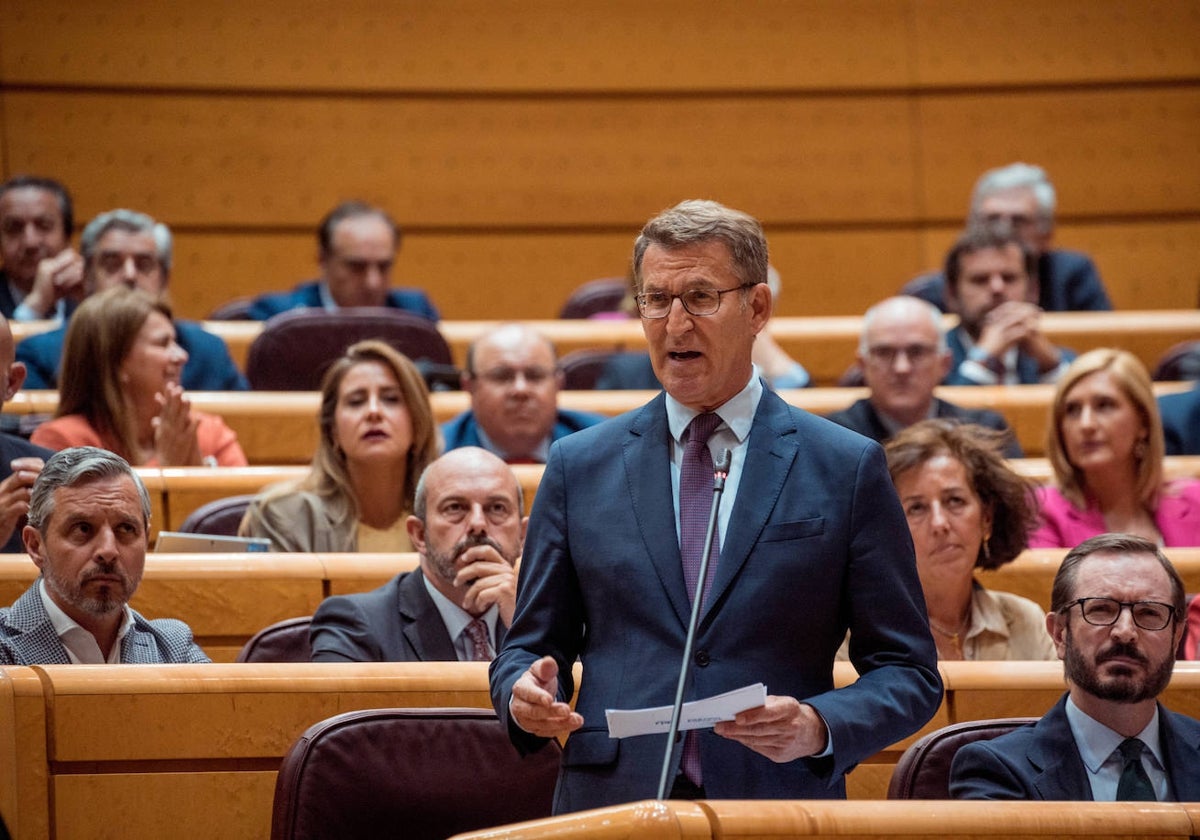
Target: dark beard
1123 688
445 563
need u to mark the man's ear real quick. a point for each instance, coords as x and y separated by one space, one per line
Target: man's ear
1056 626
16 378
416 533
34 546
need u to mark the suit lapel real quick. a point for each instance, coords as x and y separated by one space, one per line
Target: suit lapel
1181 744
1061 774
770 453
646 457
39 643
421 623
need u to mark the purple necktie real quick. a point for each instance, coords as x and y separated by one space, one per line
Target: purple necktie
695 502
695 506
477 632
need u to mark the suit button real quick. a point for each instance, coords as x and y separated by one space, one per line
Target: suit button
702 659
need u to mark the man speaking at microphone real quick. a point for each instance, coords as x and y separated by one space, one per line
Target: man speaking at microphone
811 542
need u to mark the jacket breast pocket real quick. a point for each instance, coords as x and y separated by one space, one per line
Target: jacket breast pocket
798 530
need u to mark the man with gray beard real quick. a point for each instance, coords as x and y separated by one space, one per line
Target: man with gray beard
89 517
468 526
1117 610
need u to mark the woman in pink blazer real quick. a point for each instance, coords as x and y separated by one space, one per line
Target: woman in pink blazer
1105 443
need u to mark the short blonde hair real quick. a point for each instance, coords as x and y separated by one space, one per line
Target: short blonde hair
1132 378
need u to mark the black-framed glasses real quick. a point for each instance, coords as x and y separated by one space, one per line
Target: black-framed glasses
1104 612
695 301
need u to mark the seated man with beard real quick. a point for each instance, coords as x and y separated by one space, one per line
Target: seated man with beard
89 517
468 526
1117 615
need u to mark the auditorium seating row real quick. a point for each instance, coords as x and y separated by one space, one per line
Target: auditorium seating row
143 751
741 820
824 345
226 598
277 428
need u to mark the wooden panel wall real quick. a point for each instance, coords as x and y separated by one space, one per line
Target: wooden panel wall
522 144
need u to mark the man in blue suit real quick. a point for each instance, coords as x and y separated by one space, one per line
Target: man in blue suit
1022 196
130 248
357 245
999 338
1181 421
811 543
1117 614
513 378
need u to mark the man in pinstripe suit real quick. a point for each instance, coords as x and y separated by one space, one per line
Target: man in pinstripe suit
89 516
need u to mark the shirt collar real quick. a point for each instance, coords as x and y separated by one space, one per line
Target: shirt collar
327 301
81 645
540 452
456 618
737 412
1097 742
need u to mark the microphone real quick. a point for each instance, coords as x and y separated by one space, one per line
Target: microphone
720 473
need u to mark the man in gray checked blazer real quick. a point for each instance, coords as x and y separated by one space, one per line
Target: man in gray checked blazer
89 517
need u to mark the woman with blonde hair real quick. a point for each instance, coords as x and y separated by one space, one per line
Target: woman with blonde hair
119 388
1105 444
377 436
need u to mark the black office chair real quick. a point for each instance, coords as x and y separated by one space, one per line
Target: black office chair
283 641
923 771
594 296
581 368
220 517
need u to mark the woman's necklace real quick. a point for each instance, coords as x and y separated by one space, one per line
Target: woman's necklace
955 636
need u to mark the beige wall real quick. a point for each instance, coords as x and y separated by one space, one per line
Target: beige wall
522 144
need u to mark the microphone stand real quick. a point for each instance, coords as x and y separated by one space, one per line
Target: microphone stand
720 472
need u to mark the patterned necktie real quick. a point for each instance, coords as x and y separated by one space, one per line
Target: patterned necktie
1134 785
477 632
695 502
695 505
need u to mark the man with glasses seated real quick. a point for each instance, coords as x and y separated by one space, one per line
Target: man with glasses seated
1117 608
513 378
903 355
357 245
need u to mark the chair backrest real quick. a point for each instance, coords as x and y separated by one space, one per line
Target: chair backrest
237 309
923 771
412 773
603 295
283 641
220 517
1180 361
581 368
295 347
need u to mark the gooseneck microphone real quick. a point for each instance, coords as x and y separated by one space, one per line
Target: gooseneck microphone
720 472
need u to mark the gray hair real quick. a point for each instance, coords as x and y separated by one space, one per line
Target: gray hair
889 306
132 221
1017 176
75 466
696 221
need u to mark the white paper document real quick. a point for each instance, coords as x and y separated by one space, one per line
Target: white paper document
698 714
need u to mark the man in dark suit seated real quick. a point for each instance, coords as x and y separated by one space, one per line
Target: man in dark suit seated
468 525
357 245
20 460
1181 421
999 338
1117 610
903 356
513 378
89 521
41 277
810 542
1022 196
124 247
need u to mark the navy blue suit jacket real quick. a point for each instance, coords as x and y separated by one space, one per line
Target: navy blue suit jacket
864 419
1181 421
817 544
1042 762
12 447
1068 282
309 295
209 366
463 430
1027 366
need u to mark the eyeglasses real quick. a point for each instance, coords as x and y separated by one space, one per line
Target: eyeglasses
114 261
1104 612
885 355
506 376
363 266
695 301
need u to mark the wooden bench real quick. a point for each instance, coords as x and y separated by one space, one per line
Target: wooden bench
760 819
280 428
